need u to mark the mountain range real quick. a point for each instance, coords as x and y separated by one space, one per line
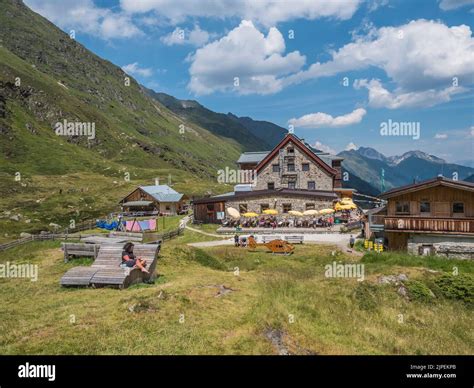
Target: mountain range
364 165
251 134
367 164
46 77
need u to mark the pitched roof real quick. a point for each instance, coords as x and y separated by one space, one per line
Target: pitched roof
303 147
438 181
257 157
252 157
162 193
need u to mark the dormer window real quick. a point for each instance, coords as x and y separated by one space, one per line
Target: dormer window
290 151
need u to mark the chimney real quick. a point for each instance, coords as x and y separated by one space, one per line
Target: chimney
157 181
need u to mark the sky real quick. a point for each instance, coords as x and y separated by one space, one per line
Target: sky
395 75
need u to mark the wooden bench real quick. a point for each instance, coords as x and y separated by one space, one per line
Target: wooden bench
132 236
107 271
79 249
294 239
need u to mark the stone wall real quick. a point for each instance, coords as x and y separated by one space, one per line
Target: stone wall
445 245
277 201
323 180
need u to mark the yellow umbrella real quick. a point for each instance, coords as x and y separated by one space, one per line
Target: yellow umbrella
234 213
346 207
326 211
272 212
346 203
250 214
311 212
295 213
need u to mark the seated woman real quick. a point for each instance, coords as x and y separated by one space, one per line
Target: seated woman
130 260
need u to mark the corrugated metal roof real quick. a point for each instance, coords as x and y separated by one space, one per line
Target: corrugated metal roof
252 157
162 193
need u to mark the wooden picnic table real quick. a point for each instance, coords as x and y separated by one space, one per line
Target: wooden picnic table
104 240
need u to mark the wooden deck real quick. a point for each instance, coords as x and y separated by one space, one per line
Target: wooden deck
106 269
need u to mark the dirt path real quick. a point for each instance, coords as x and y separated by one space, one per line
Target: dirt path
340 240
205 233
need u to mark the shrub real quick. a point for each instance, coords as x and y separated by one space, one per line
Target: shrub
460 287
418 291
366 296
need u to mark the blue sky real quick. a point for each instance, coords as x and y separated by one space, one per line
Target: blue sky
335 70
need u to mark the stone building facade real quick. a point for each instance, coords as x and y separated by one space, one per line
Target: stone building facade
292 176
290 168
283 201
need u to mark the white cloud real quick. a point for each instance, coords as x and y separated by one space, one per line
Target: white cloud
323 120
351 146
441 136
267 12
195 37
379 97
135 69
472 131
323 147
245 60
84 16
419 56
448 5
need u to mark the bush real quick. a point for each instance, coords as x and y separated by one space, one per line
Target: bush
359 246
418 291
366 296
459 287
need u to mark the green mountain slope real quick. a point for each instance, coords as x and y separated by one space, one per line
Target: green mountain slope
45 78
218 123
270 133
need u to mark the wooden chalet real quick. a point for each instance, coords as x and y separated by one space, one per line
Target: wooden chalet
435 216
157 199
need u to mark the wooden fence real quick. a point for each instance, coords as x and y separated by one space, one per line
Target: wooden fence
166 236
85 226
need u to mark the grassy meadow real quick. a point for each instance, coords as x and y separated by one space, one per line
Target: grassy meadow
226 300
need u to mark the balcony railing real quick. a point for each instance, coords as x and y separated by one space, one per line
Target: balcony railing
430 224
